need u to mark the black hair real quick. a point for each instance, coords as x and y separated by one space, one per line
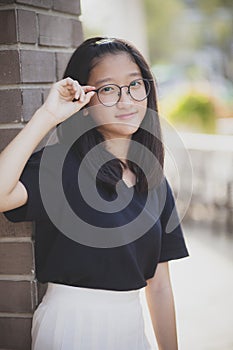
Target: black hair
79 67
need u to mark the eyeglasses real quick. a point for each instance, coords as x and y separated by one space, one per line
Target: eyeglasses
109 95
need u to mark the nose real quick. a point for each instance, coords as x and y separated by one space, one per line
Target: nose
125 97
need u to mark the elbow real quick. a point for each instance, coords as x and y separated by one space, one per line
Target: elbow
14 199
3 207
6 203
3 204
5 200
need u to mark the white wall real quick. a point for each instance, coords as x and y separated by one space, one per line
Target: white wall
116 18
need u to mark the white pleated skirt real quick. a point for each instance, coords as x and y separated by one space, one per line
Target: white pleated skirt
75 318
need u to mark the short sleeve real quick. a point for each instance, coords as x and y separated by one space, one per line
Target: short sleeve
33 209
173 245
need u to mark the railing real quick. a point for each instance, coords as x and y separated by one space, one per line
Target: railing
210 185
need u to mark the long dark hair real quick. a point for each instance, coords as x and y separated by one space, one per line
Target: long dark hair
79 68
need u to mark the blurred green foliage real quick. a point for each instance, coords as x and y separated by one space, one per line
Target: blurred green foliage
210 5
160 19
194 111
188 26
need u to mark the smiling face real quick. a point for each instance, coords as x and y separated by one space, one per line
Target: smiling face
124 118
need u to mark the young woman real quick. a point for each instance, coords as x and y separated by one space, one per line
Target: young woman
101 236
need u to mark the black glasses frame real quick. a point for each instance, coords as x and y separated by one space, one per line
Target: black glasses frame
128 91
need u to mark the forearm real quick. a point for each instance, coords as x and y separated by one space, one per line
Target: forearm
58 106
162 311
16 154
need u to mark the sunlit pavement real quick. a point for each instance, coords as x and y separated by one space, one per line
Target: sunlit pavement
203 291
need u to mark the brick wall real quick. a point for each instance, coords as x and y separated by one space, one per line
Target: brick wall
37 38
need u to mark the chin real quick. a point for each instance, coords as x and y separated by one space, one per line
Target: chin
121 131
126 131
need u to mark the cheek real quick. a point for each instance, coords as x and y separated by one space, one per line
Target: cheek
144 103
100 114
142 108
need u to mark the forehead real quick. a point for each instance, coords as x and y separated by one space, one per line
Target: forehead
113 66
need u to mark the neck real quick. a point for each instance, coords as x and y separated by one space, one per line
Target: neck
118 147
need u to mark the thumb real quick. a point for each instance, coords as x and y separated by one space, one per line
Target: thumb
88 97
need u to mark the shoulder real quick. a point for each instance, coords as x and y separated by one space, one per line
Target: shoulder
163 189
53 155
165 198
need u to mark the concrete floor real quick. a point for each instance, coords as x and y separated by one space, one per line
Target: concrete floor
203 291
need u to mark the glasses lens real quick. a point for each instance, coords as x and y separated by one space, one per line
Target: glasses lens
139 89
109 95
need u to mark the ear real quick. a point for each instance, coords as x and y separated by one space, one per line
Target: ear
85 112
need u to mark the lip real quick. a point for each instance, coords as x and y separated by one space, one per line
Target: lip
126 115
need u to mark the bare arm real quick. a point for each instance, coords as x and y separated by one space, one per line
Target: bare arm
161 306
57 108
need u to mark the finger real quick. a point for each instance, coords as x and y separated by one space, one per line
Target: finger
87 98
82 96
88 88
74 88
71 85
90 93
68 85
65 82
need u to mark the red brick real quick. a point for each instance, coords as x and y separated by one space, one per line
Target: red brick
77 37
16 296
16 258
8 32
10 229
15 333
10 68
32 100
11 105
3 2
27 28
38 3
6 135
37 66
62 59
56 31
68 6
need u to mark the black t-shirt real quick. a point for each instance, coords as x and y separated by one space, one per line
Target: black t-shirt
88 242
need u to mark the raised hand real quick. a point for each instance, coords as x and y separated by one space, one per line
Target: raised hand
65 98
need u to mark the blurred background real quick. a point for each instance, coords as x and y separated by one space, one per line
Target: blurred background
189 46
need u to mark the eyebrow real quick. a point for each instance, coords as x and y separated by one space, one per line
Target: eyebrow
109 79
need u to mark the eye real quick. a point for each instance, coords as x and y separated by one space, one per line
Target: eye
107 89
136 83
